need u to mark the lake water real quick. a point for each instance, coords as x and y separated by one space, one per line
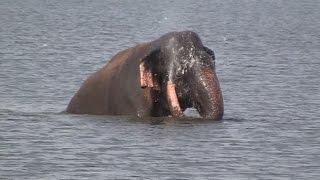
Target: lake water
267 61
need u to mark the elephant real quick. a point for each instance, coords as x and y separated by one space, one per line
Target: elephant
158 78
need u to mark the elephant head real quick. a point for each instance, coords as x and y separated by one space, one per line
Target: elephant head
181 72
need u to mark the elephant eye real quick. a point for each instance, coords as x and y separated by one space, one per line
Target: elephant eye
210 52
207 59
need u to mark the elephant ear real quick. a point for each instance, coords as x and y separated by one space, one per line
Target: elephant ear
147 75
210 52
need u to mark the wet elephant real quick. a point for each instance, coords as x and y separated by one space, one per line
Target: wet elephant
158 78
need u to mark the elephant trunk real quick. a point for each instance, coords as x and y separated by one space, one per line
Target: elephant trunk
208 96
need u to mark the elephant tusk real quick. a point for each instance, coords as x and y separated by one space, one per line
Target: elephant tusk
173 100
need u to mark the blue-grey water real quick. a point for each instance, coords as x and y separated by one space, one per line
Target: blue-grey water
267 61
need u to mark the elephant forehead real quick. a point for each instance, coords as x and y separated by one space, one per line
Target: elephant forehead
178 42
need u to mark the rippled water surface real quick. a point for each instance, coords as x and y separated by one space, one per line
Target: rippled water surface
267 61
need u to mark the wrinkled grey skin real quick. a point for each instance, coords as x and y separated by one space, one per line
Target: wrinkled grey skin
182 60
178 57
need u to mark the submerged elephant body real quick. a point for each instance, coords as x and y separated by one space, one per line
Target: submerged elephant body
159 78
